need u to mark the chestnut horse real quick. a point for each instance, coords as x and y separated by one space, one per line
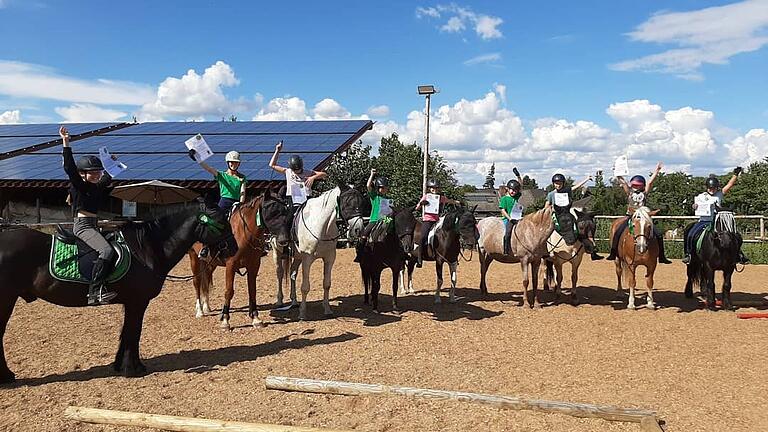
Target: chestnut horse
637 247
250 223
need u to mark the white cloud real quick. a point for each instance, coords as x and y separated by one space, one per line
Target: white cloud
379 111
10 117
83 113
459 18
195 95
291 108
752 147
565 135
329 109
485 58
25 80
706 36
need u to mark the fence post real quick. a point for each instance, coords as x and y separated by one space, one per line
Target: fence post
762 227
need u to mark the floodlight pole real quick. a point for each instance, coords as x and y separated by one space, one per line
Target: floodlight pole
426 150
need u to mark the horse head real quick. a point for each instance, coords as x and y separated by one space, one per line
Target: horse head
213 230
725 235
642 227
586 227
405 224
275 216
463 221
351 208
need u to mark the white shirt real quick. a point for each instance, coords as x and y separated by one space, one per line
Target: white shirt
294 185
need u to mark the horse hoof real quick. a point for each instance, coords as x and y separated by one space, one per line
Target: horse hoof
574 300
257 323
7 378
225 326
135 371
452 300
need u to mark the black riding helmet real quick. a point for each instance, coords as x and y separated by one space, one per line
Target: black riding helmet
433 184
381 182
89 163
713 183
296 163
513 185
558 178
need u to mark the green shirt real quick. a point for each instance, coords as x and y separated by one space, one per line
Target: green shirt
229 185
508 203
376 206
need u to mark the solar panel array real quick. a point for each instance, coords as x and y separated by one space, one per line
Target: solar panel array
15 137
157 151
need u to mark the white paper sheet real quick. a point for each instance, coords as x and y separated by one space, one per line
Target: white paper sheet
621 166
113 167
197 143
298 193
385 207
433 204
562 199
517 212
704 204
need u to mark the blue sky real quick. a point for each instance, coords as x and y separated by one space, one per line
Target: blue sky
565 62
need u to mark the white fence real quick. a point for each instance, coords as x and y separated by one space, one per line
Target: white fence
758 236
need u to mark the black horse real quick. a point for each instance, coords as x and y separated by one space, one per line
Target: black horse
156 247
391 252
458 231
719 251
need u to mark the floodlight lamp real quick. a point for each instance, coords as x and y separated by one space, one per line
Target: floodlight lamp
427 89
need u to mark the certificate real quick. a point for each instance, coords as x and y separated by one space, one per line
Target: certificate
517 212
385 207
111 166
704 204
198 144
298 193
621 166
433 204
562 199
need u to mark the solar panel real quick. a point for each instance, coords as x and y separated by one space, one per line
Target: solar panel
49 129
266 127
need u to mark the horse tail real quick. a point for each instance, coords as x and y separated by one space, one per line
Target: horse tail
550 272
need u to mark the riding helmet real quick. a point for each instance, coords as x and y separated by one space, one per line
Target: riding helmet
713 182
433 184
296 163
558 178
232 156
89 163
382 182
637 182
513 185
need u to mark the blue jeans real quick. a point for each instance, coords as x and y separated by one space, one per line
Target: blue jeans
226 203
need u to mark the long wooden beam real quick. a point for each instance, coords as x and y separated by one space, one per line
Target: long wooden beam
612 413
173 423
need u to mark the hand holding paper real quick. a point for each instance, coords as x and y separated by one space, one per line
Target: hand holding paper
110 163
198 144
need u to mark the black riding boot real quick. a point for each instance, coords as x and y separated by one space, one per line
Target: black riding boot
615 245
359 249
662 256
595 256
743 258
97 289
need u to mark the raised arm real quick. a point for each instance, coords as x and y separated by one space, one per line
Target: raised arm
517 174
316 175
69 162
204 165
623 184
273 162
582 183
655 174
732 181
369 184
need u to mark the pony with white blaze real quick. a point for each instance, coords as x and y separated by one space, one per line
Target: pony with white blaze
637 247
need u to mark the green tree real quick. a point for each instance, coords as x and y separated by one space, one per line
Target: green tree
351 167
529 182
749 196
674 192
490 179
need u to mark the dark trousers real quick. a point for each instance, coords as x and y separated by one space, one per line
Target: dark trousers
426 227
86 229
692 231
508 226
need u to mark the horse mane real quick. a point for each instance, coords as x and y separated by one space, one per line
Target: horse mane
162 227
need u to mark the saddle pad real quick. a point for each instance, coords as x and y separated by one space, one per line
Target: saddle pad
700 237
64 262
433 231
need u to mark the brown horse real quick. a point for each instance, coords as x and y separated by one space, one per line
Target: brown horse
637 247
250 224
527 246
561 253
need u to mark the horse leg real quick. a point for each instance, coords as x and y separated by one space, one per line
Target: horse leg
632 282
452 269
485 263
194 265
439 273
205 289
619 263
229 292
727 304
127 359
292 266
575 281
691 273
535 282
649 285
410 264
277 259
375 287
708 281
366 283
558 278
306 265
395 283
253 311
6 309
327 271
524 269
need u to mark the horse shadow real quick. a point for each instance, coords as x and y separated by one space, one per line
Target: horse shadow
197 360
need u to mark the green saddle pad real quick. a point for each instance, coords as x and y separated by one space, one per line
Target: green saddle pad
64 262
700 237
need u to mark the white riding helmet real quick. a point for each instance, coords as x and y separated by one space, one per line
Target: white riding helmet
232 156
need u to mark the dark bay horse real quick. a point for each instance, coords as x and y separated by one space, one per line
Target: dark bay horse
637 247
458 231
156 247
719 251
392 253
250 222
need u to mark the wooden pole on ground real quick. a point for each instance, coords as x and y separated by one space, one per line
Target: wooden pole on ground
751 315
508 402
173 423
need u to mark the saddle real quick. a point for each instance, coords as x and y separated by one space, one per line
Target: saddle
71 260
433 231
697 235
565 225
380 230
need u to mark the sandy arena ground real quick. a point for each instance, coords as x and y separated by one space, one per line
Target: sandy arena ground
700 370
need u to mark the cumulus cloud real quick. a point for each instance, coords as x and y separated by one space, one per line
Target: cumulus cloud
329 109
10 117
459 18
752 147
82 113
706 36
194 95
379 111
25 80
484 58
291 108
